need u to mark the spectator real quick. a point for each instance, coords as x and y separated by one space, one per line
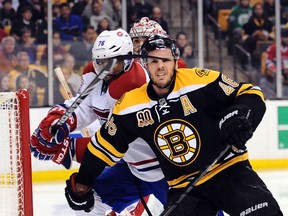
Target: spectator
36 6
208 7
256 29
35 74
23 82
81 50
59 92
240 15
187 55
42 31
7 13
271 58
56 11
157 16
4 83
25 22
27 44
182 40
269 10
7 54
113 11
97 14
141 8
79 7
70 73
103 25
131 17
69 25
59 51
2 33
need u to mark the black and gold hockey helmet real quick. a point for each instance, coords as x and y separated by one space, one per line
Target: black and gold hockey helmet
158 41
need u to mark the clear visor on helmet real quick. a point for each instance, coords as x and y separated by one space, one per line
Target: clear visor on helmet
100 64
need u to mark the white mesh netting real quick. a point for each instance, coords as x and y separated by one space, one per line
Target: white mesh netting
11 170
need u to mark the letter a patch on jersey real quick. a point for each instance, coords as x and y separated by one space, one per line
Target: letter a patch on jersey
226 88
188 108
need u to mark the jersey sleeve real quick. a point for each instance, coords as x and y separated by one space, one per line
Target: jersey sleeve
105 148
224 92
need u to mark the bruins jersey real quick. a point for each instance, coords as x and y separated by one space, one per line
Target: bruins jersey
182 129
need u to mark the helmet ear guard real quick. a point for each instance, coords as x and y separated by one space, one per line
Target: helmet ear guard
158 41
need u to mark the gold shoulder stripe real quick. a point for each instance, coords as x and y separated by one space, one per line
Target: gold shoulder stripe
132 98
108 146
255 92
100 154
194 76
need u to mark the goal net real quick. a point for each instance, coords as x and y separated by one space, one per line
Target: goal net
15 158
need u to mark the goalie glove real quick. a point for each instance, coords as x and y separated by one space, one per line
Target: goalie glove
44 131
79 200
235 127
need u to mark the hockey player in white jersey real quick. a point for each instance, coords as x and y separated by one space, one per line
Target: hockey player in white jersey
126 75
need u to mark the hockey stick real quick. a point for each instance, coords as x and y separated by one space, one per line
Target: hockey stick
202 173
101 75
64 84
193 182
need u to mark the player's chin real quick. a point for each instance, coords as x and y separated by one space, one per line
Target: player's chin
163 85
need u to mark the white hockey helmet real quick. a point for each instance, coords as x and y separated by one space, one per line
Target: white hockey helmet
145 28
110 44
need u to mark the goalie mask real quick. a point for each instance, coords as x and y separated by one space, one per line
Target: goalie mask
110 44
143 29
160 41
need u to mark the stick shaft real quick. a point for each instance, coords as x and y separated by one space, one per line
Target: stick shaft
193 182
101 75
64 84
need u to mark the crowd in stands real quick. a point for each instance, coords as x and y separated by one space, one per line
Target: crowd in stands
76 24
251 24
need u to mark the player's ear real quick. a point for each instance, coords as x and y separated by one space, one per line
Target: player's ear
176 64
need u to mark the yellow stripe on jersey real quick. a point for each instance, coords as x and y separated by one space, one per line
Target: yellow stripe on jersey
244 89
214 171
135 97
110 148
194 76
100 154
186 78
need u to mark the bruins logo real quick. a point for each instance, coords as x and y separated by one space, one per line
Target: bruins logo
178 141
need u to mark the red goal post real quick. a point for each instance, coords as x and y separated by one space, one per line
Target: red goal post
15 157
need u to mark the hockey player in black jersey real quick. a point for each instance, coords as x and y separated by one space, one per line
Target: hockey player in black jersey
185 116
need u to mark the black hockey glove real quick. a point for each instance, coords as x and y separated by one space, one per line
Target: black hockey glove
235 127
75 200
